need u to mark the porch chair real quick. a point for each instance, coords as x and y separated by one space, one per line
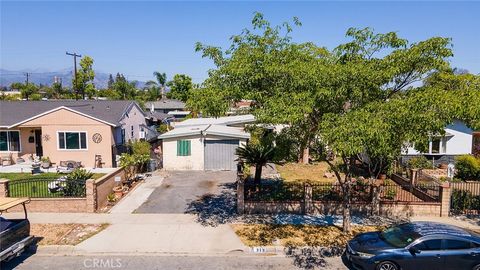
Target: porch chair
6 158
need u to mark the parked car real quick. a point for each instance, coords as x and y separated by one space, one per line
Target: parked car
416 245
14 233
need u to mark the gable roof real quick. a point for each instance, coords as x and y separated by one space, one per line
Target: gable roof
166 104
226 120
13 113
217 130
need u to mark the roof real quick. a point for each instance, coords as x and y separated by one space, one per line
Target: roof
425 228
226 120
204 130
7 203
166 104
157 116
13 113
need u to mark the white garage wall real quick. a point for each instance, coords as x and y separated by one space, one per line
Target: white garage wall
193 162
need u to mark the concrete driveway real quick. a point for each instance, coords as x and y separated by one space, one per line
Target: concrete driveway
186 191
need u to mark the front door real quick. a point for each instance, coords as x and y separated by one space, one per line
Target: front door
38 143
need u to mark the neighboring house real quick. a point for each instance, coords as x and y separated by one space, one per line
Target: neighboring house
240 107
205 143
172 107
459 139
70 130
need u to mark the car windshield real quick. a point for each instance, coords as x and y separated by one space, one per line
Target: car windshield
400 236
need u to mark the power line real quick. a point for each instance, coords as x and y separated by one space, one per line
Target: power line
75 55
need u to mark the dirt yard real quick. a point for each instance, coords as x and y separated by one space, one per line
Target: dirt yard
64 234
296 235
318 172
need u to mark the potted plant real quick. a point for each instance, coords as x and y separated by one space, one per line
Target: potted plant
118 191
45 162
111 198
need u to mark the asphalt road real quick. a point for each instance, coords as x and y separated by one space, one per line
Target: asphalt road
182 188
37 262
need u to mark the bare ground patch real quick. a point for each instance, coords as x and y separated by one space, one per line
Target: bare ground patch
64 234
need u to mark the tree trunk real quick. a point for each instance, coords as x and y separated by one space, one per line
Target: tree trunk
346 209
258 174
304 155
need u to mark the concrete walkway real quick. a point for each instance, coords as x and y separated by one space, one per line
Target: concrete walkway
137 197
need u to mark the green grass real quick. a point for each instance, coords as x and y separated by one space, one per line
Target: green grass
35 189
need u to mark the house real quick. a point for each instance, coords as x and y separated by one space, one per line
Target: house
80 130
458 139
172 107
205 143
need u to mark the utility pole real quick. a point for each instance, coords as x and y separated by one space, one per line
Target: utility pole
75 55
27 74
26 85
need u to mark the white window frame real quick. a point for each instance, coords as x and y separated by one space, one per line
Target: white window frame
8 141
65 138
442 146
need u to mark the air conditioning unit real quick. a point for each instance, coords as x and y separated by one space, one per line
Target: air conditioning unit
141 135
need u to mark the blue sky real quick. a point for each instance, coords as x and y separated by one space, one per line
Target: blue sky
137 38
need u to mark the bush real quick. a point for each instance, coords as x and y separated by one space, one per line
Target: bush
75 183
464 200
467 168
419 162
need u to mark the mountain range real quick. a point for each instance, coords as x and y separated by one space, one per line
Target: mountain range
39 76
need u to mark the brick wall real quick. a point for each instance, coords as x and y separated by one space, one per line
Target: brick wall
96 196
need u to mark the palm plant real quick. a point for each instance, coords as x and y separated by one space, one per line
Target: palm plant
157 88
257 155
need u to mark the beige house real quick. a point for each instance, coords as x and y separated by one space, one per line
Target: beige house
63 130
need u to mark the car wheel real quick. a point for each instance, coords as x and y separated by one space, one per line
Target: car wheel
476 267
387 265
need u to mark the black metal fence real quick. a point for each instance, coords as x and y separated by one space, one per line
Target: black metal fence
359 192
47 188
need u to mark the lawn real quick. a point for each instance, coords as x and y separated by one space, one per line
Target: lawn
37 187
305 172
297 235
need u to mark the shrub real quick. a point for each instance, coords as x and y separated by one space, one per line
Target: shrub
419 162
75 183
467 168
464 200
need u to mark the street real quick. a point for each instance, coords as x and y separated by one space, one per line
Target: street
242 262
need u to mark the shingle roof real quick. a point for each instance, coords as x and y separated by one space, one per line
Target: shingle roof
166 104
226 120
217 130
111 111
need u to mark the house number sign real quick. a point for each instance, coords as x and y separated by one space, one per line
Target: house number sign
97 138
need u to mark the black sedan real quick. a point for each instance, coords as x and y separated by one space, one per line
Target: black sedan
417 245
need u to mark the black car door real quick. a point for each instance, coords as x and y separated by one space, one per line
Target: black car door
429 256
461 254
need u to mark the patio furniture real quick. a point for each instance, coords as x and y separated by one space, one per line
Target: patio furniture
36 168
57 185
7 158
68 166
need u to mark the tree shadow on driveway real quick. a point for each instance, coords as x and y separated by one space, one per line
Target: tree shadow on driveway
215 209
310 258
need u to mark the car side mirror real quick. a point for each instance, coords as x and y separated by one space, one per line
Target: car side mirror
414 250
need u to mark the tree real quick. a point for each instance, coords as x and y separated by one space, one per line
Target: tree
123 89
85 76
111 81
257 155
156 89
180 87
208 102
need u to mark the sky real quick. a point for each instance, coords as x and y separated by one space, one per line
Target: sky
138 38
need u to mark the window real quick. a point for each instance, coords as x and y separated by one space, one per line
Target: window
183 148
131 132
434 244
439 145
72 140
458 244
10 141
123 136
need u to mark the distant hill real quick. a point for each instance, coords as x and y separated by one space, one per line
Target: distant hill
7 77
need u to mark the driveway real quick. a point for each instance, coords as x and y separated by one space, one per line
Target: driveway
187 191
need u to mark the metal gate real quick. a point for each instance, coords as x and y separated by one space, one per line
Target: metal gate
220 154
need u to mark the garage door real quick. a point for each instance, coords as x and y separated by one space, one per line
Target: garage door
220 154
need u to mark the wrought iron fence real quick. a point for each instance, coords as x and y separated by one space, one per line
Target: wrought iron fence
47 188
277 191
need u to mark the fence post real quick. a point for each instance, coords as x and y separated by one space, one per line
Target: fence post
240 194
4 187
445 196
375 199
308 200
91 195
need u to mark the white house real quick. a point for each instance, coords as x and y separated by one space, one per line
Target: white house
459 139
203 147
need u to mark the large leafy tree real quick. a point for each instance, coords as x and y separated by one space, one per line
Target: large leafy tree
180 87
85 76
